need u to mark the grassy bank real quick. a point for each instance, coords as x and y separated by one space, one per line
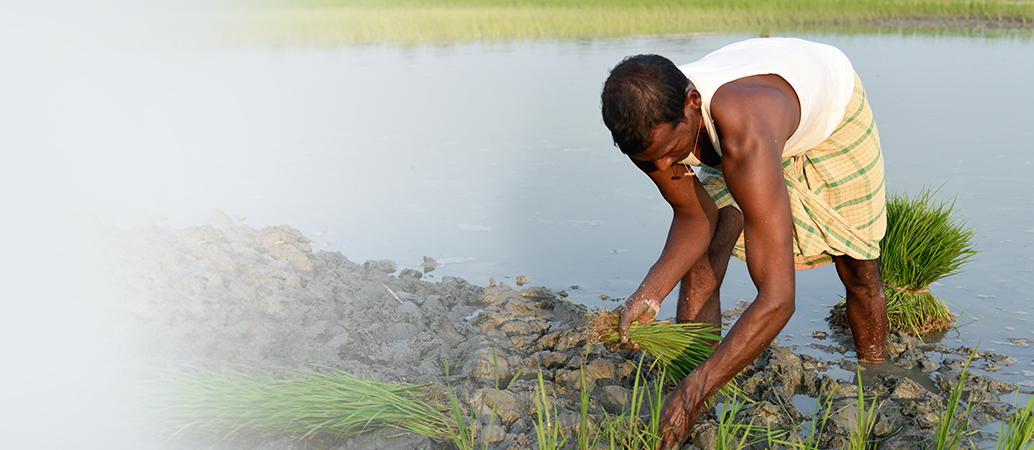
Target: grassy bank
335 22
327 409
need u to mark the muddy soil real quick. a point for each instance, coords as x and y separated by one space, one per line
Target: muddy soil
224 294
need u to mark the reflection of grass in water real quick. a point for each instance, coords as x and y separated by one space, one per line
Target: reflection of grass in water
442 21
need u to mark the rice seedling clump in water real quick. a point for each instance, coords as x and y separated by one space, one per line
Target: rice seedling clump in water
923 244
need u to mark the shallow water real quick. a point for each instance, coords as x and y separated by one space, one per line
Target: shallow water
493 159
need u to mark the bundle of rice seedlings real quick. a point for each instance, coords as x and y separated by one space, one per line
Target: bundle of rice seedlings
289 402
924 243
678 348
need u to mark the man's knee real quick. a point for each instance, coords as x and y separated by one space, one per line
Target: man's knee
859 276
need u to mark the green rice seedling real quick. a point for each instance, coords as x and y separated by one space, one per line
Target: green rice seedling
612 429
583 410
727 427
677 348
464 437
683 364
779 434
515 377
590 435
633 426
1017 432
495 400
772 435
461 435
629 430
924 243
645 435
548 431
651 436
817 425
866 420
749 433
290 402
950 433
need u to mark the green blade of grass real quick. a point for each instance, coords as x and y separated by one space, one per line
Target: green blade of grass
951 430
1017 432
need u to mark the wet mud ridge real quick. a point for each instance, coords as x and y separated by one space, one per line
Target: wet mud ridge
223 295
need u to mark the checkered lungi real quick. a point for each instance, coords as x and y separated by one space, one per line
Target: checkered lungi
836 189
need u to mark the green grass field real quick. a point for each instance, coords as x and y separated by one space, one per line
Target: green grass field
336 22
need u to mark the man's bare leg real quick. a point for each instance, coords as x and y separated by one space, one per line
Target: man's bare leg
699 291
866 305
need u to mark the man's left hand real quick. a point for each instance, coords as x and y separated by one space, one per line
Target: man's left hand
639 309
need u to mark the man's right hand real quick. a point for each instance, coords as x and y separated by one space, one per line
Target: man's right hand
638 309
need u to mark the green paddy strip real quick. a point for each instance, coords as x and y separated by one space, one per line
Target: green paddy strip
335 22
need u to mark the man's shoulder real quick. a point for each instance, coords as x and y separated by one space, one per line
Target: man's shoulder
753 108
759 95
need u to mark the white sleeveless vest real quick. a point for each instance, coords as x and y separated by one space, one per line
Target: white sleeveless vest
820 74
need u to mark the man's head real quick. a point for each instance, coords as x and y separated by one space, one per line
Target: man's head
642 92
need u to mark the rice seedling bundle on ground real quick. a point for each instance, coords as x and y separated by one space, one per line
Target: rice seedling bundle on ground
288 402
924 243
678 348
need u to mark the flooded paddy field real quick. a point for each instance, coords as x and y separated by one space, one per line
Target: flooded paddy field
492 160
489 158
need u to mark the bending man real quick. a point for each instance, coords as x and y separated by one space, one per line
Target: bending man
765 149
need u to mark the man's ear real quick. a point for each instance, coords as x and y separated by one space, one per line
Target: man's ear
693 100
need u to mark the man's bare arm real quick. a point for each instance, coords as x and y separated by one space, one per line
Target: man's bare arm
758 120
692 224
755 122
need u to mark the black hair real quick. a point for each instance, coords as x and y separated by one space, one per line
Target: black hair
641 92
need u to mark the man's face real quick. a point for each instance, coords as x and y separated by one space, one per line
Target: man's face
671 143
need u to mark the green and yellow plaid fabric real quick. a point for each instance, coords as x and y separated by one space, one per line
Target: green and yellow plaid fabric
837 194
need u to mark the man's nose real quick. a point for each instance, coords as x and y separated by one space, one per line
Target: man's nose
664 163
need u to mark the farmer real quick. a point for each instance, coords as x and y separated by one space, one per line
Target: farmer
765 149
